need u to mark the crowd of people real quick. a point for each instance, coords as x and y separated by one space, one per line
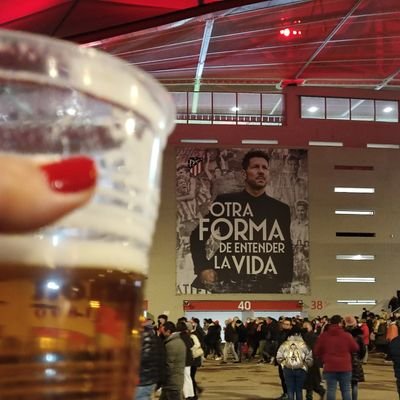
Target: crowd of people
300 348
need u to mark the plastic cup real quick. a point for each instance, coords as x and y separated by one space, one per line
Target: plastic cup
71 294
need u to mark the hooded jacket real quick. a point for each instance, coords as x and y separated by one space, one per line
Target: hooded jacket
334 348
357 371
175 350
294 354
152 358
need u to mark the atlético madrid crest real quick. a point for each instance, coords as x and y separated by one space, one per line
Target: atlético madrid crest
195 165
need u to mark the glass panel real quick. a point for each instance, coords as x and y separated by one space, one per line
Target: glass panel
272 109
200 102
249 108
272 104
362 110
249 104
200 107
337 108
387 111
313 107
225 108
180 100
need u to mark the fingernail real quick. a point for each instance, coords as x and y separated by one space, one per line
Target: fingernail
70 175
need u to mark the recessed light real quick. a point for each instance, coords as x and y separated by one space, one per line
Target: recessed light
353 279
388 109
199 140
354 212
353 190
355 257
256 141
382 146
327 144
312 109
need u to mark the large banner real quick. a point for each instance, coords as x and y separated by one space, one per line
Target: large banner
242 220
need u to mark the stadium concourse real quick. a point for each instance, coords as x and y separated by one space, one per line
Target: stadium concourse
253 381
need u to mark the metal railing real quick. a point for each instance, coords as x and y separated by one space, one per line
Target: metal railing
229 119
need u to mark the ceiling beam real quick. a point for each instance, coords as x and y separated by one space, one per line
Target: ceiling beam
202 60
167 18
327 40
387 80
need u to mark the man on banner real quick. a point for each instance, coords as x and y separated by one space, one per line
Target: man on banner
243 244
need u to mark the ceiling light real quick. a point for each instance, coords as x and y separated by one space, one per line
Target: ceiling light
327 144
355 257
354 190
382 146
351 279
312 109
285 32
199 141
289 32
358 302
256 141
354 212
234 109
388 109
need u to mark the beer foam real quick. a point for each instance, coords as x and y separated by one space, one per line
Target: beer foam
35 250
96 235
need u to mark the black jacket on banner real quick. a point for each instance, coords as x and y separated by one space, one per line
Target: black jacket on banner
246 240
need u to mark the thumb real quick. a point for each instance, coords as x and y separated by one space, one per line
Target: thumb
33 195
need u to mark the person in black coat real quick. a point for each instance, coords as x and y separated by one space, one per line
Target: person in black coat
151 363
357 373
313 379
212 340
242 349
394 351
262 237
284 333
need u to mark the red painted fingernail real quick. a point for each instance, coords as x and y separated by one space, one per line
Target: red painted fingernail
70 175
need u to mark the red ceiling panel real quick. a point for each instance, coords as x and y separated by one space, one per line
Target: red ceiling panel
184 39
108 14
12 10
45 22
343 42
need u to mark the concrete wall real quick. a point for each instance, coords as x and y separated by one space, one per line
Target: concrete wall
325 245
385 246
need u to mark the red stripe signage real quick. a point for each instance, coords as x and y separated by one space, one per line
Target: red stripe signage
243 305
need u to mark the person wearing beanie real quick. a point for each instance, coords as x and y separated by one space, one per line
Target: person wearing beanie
357 374
349 320
334 348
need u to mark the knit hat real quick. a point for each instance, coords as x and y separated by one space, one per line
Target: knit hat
349 320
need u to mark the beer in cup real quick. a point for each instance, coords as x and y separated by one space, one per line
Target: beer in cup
71 293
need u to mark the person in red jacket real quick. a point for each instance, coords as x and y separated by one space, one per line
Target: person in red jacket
334 348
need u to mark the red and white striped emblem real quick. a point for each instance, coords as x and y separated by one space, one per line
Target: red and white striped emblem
195 165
